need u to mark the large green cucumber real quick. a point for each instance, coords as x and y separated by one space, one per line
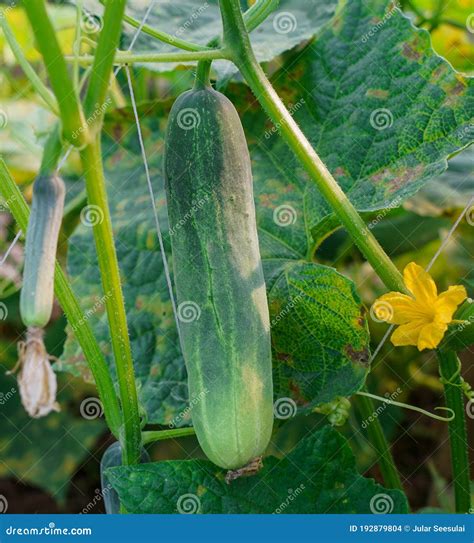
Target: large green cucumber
37 293
220 289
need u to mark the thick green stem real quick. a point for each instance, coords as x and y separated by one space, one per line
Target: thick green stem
132 58
103 62
450 371
111 283
159 435
52 151
61 82
379 442
20 211
203 80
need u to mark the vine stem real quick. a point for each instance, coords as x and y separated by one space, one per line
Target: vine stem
63 88
131 58
377 439
110 275
237 40
160 435
105 387
450 372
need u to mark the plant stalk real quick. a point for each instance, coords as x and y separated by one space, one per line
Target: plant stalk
450 371
112 288
377 439
82 329
61 82
159 435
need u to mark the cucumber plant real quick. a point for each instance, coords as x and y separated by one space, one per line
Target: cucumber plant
222 294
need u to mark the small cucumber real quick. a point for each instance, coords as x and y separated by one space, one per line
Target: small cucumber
36 300
218 276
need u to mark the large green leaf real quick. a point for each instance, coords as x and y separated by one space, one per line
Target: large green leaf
381 108
318 476
319 334
193 20
44 452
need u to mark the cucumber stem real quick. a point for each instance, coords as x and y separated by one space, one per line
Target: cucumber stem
203 72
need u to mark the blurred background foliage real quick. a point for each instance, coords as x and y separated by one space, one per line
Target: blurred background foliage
51 464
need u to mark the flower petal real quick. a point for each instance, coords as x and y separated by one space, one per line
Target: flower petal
395 308
420 284
408 334
448 302
431 335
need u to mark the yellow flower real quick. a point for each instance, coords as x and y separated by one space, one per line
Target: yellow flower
424 316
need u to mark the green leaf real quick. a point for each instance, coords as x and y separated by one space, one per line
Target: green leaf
318 476
319 334
381 108
451 190
193 20
44 452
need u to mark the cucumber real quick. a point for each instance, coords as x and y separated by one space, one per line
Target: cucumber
220 288
37 293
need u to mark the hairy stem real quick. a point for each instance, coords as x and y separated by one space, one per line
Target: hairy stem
450 371
61 82
379 442
159 435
